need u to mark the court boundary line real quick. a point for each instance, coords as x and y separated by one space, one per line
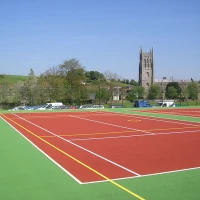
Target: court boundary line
147 175
166 113
51 159
105 123
81 163
114 132
128 136
95 154
93 182
176 121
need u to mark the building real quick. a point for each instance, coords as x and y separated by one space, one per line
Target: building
146 73
146 69
164 81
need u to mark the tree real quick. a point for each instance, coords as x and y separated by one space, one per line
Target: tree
131 96
52 84
111 76
102 94
192 90
4 91
136 93
74 74
30 88
134 83
174 90
140 91
94 76
154 91
127 81
73 71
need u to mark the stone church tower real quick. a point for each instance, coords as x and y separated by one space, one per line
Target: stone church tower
146 69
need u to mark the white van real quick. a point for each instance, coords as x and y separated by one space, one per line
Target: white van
48 106
166 103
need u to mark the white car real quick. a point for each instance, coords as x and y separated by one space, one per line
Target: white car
91 107
19 108
48 106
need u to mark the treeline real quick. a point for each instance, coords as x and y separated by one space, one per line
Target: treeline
71 84
68 82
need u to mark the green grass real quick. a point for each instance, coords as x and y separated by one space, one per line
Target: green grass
11 79
26 173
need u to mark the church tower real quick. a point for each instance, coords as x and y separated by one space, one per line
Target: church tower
146 69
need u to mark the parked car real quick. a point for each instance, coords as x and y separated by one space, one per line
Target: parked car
116 106
70 107
91 107
19 108
60 107
166 103
141 103
49 106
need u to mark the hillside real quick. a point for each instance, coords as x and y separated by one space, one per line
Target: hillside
11 79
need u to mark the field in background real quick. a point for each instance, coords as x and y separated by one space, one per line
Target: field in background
11 79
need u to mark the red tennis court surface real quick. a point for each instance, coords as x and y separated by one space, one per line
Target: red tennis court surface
90 144
192 112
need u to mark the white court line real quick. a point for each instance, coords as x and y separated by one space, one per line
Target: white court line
100 122
129 136
120 166
154 117
140 176
173 114
146 175
44 153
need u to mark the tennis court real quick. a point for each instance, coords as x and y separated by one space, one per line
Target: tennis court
132 156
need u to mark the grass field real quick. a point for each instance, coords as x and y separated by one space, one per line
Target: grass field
26 173
11 79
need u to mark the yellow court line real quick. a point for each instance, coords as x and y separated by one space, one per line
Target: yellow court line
107 133
78 161
162 129
135 120
170 113
36 117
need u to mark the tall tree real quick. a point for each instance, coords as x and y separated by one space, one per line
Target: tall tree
154 91
173 90
30 86
136 93
111 76
134 83
94 76
52 84
74 74
192 90
4 91
73 71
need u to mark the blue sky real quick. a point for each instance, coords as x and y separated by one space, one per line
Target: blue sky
104 35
